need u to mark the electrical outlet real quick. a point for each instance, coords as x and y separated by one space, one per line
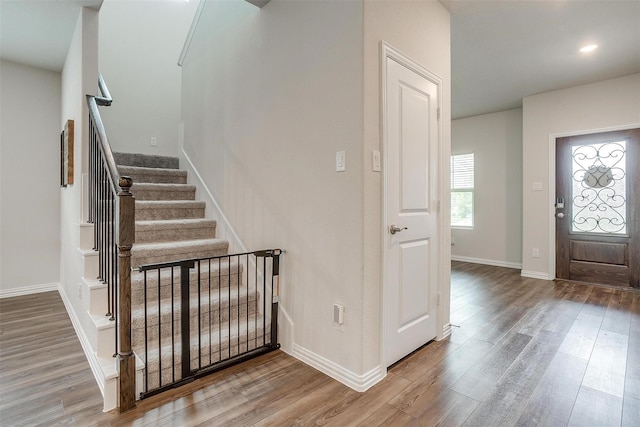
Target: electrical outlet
536 253
154 141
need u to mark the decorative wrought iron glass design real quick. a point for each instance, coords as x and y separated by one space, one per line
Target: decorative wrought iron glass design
599 188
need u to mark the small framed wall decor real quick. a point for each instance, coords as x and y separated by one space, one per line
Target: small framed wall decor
66 154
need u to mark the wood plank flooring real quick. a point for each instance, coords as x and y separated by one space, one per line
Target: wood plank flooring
524 352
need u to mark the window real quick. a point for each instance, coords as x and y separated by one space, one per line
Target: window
462 190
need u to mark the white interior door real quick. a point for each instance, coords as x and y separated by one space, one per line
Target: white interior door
411 125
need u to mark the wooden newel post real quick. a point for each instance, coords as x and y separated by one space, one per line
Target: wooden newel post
126 357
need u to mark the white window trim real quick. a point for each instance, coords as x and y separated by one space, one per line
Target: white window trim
463 190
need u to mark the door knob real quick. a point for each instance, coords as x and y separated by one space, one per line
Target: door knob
393 229
560 215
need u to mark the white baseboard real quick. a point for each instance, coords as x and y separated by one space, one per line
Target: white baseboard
535 275
446 331
352 380
496 263
92 358
28 290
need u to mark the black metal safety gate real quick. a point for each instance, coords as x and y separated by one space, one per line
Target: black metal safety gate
194 317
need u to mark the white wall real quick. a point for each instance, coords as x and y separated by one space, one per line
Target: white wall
79 77
30 178
496 141
583 109
269 96
140 42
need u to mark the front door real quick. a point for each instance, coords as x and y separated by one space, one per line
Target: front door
411 127
598 208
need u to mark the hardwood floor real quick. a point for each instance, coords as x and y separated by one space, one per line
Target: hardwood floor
524 352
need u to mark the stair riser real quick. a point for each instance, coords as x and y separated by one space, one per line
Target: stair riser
91 265
175 234
98 300
144 194
106 338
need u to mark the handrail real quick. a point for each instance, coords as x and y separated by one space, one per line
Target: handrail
104 145
191 33
106 98
112 212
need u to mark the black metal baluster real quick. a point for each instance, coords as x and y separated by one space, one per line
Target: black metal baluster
246 261
199 322
229 305
159 333
219 312
238 281
146 335
184 307
210 312
173 334
275 278
264 301
255 315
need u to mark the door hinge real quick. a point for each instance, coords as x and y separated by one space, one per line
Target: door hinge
438 113
438 301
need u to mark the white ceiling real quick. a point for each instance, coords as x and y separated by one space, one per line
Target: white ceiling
505 50
502 50
38 32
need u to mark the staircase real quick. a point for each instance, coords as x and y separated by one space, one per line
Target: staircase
170 223
171 226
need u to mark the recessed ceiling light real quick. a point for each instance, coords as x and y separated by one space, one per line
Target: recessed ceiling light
588 48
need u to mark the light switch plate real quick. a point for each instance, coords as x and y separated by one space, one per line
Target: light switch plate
338 314
375 161
341 161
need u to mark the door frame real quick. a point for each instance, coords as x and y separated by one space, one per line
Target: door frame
443 330
552 185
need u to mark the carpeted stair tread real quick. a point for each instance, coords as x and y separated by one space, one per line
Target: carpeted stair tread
153 253
163 191
146 160
153 175
169 209
175 229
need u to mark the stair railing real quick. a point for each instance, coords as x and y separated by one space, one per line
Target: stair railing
112 212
